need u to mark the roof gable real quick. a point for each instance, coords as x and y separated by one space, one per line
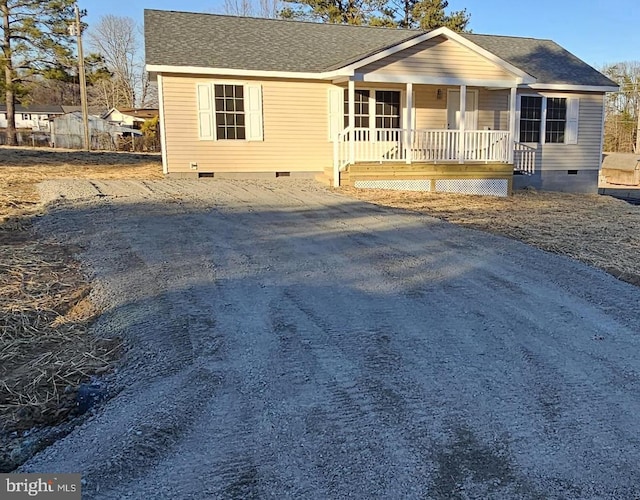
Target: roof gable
442 54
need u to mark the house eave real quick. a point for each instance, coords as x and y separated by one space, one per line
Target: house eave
249 73
435 80
566 87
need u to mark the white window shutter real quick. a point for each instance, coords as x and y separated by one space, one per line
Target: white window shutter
253 112
571 129
335 106
205 112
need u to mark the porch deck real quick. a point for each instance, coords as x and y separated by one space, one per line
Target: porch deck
470 178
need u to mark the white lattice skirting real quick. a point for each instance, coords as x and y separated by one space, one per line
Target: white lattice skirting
398 185
490 187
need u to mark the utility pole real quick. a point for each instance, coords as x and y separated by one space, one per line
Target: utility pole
83 82
638 128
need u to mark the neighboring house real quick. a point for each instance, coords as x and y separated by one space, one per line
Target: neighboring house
67 131
93 110
133 118
373 107
35 117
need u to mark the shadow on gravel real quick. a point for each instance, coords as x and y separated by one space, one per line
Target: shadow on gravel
351 350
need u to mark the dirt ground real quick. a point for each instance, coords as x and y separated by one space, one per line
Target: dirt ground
44 292
286 341
598 230
45 308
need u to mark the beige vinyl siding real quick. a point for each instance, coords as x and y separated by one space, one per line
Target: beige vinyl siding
585 155
438 57
431 112
295 119
493 109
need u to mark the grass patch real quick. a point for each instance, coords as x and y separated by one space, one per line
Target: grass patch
598 230
45 309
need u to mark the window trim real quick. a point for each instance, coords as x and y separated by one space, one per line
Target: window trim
249 112
372 108
543 123
345 116
216 112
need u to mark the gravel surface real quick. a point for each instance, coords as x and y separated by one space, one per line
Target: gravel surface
285 341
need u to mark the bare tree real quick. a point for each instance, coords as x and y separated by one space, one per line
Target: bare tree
257 8
117 39
622 112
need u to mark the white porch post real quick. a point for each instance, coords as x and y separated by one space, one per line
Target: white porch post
462 126
408 140
352 121
512 123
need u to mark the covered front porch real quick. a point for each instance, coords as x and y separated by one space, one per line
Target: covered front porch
408 126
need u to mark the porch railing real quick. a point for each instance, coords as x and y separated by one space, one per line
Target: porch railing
524 159
403 145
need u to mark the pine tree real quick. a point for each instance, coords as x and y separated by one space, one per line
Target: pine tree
336 11
423 14
35 36
431 14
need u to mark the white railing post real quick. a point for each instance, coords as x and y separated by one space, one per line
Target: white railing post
336 162
352 120
512 124
409 124
462 125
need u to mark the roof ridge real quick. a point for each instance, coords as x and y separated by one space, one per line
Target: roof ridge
512 36
296 21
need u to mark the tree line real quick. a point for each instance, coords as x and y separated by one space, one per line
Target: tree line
38 63
622 108
423 14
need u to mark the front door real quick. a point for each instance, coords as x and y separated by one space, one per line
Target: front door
453 110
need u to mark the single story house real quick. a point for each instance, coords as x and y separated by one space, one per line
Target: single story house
373 107
130 117
34 117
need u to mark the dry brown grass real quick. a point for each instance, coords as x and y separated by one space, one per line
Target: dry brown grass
23 168
45 352
598 230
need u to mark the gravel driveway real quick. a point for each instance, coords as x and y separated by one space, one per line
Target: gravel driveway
285 341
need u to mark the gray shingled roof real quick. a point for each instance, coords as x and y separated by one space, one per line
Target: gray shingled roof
215 41
209 40
40 109
543 59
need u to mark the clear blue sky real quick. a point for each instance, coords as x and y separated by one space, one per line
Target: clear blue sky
597 31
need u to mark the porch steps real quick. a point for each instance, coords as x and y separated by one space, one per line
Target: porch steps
326 177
